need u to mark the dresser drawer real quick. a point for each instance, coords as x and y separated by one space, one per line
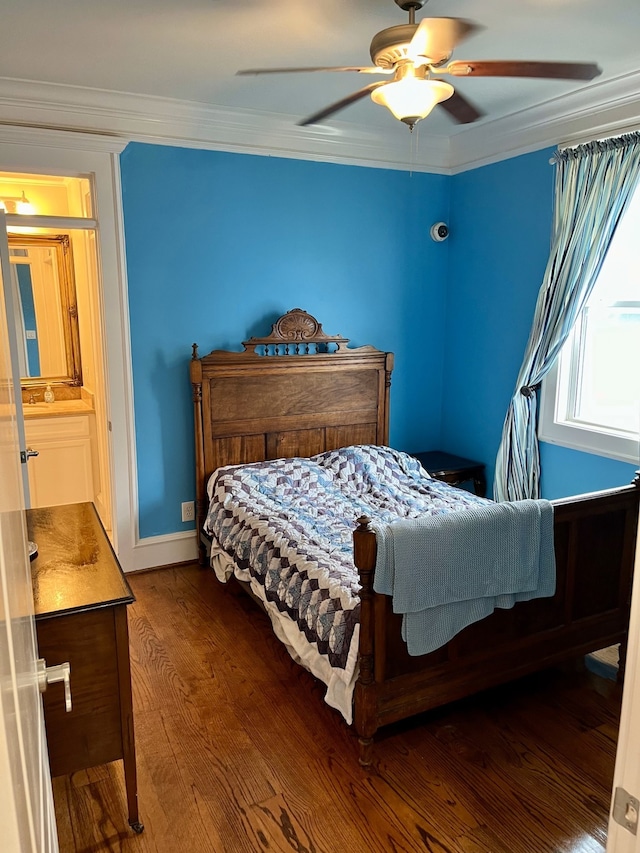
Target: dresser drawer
91 732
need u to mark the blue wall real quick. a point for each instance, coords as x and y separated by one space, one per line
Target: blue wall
570 472
25 286
500 229
501 217
219 245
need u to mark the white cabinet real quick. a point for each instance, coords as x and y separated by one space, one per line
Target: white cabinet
62 473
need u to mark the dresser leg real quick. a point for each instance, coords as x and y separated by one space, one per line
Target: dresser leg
126 717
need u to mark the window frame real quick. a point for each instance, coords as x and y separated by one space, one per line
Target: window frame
555 425
559 402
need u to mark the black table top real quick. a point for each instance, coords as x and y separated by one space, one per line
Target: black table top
438 460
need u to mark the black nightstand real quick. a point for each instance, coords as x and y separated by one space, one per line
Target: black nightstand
454 469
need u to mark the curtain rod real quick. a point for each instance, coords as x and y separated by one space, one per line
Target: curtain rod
585 140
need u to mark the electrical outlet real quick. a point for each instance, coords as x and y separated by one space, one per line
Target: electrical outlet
188 511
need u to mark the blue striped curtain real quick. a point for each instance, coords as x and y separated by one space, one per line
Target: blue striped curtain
594 184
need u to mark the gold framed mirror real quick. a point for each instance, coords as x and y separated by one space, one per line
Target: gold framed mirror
44 287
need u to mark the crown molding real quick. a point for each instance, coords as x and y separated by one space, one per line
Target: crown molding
189 124
25 133
108 120
600 110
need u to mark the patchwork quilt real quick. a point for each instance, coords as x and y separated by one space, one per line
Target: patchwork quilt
289 524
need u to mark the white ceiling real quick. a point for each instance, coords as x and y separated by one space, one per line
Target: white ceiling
183 54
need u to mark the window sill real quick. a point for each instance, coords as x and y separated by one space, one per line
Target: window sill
589 441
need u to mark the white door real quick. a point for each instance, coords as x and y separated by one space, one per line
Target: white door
627 772
27 823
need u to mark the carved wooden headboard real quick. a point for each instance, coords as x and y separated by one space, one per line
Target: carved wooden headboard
296 392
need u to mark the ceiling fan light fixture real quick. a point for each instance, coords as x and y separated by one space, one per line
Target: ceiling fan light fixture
412 98
412 53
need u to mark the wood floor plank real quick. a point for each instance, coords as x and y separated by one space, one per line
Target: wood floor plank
589 750
523 777
237 752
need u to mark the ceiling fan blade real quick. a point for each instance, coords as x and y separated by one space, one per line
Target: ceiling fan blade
460 109
518 68
361 69
435 38
340 105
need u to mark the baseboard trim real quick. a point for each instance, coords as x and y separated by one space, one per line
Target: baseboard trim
155 551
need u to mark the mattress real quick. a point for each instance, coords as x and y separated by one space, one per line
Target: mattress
285 526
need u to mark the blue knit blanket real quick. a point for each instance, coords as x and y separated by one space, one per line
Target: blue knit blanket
446 571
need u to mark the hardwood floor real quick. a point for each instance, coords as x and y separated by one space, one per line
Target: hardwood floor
238 752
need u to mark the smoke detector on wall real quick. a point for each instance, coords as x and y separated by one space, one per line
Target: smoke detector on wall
439 231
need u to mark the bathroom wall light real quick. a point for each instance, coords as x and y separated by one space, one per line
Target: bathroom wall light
17 204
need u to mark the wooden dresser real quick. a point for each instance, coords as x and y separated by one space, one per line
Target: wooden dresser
81 598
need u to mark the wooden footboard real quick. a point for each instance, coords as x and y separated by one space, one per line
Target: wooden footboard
595 541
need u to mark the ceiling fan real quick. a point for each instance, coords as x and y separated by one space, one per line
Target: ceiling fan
416 55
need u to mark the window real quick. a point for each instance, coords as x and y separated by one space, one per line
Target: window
591 398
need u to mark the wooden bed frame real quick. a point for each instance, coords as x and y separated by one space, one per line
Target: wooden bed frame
298 392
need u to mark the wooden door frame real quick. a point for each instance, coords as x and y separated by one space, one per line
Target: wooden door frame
38 151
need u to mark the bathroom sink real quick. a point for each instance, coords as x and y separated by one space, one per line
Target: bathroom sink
58 407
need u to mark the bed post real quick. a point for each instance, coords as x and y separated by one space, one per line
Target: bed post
365 711
200 503
388 369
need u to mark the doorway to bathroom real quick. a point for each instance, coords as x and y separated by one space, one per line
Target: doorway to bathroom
57 316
